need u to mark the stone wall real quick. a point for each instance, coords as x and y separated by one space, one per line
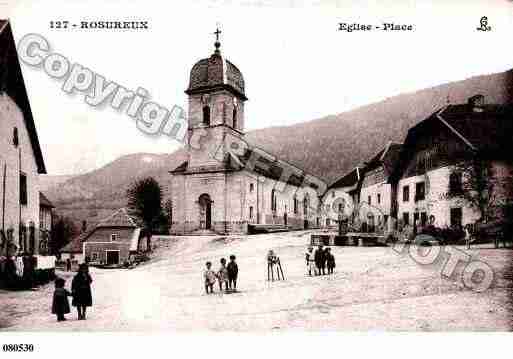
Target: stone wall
16 159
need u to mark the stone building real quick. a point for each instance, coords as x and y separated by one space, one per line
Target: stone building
226 185
21 159
376 194
342 197
427 179
110 242
45 222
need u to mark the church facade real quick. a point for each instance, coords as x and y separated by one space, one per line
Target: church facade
227 186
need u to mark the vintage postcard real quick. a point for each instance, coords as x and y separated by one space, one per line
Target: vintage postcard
255 166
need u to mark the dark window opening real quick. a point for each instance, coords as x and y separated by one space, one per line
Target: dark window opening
456 217
273 200
406 218
295 205
379 198
23 189
455 184
305 205
420 191
369 200
251 187
406 193
206 115
235 117
15 138
251 212
423 218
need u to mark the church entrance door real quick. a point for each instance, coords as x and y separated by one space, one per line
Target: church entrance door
205 211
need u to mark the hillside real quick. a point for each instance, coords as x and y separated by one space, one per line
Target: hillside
327 147
331 146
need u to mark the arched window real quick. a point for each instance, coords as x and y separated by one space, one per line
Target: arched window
206 115
15 139
273 200
306 201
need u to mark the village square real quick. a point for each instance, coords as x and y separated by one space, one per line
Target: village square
245 240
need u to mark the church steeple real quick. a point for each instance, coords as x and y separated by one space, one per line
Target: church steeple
216 106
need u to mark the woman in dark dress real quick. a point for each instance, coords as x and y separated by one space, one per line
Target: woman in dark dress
81 290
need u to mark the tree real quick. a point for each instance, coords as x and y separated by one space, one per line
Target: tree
476 185
145 203
63 230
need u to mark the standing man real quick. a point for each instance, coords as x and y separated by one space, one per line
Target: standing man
320 260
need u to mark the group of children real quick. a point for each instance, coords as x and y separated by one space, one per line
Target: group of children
318 262
227 275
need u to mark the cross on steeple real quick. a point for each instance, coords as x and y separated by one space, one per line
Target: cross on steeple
217 44
217 33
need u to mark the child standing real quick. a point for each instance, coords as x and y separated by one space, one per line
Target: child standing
222 275
330 260
60 304
233 271
310 262
210 278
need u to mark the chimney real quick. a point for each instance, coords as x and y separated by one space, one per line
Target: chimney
476 103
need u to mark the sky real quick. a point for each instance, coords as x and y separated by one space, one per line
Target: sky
297 66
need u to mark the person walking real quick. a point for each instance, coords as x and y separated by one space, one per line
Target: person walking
60 304
81 290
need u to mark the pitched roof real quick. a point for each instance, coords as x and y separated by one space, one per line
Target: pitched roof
11 82
487 128
266 165
387 156
349 179
75 246
120 218
44 201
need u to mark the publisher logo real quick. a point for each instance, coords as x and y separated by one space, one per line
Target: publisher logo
484 24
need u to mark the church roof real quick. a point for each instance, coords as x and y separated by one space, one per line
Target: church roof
216 72
266 165
11 82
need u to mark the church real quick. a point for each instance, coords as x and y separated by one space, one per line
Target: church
226 185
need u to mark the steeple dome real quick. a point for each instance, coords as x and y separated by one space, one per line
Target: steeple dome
215 73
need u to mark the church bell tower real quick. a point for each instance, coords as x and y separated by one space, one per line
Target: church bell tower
216 109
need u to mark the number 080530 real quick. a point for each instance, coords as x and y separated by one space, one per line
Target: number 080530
18 347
